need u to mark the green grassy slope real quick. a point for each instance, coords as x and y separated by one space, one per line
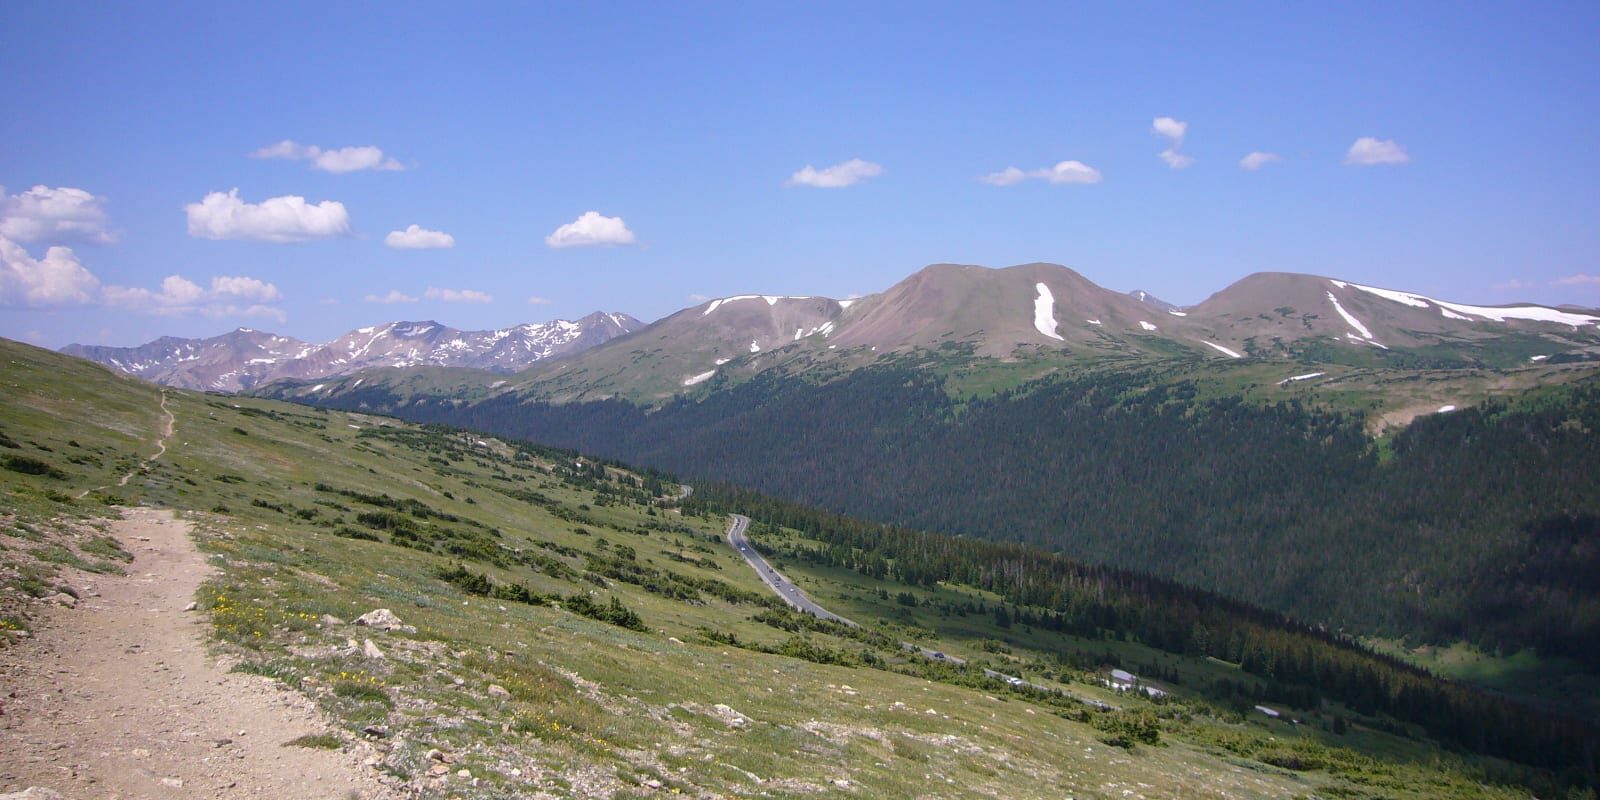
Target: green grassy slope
649 660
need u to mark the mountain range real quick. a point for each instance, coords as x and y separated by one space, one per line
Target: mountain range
1034 314
1007 314
244 358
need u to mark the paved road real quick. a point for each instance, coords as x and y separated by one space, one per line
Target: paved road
791 594
785 588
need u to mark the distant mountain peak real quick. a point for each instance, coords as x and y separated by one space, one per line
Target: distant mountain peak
243 358
1153 301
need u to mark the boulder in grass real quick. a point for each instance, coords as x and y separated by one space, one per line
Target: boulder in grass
384 620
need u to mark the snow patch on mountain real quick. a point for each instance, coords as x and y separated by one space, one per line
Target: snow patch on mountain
1223 350
243 359
1349 317
1044 312
1306 377
1461 311
1147 326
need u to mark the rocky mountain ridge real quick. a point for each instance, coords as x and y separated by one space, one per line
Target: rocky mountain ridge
244 358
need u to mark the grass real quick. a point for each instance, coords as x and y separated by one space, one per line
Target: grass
533 698
316 741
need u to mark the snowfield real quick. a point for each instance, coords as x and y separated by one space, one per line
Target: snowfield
1044 312
1306 377
1349 317
1459 310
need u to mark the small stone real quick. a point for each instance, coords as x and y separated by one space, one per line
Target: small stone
62 599
463 773
435 755
175 783
223 742
653 783
378 731
33 793
438 770
331 620
371 650
496 690
191 607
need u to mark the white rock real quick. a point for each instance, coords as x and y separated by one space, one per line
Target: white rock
496 690
384 620
33 793
371 650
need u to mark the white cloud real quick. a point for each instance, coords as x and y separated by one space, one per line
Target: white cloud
1063 172
589 230
536 300
1004 177
243 288
458 295
1170 128
415 237
55 280
1175 159
228 296
837 176
1258 159
338 161
394 296
1174 130
277 219
60 280
1070 172
698 298
1512 285
1368 151
46 213
1579 279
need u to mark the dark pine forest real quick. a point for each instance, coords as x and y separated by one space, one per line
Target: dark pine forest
1483 524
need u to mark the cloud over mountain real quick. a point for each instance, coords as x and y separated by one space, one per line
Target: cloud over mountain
46 213
277 219
458 295
590 230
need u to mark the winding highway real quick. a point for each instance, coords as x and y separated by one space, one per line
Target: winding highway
738 527
774 579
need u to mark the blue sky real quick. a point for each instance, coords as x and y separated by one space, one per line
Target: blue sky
687 128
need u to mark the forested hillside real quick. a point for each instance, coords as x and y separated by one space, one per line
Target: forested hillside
1283 505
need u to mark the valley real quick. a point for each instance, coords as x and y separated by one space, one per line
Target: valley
558 619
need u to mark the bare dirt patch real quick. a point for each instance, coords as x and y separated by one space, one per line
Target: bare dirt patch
118 697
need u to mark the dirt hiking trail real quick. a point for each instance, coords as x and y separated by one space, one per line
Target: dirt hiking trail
118 698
